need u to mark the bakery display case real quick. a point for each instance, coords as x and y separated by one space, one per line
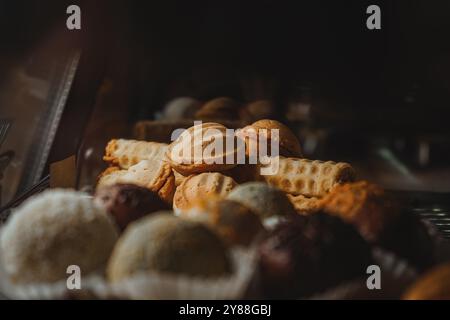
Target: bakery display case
348 126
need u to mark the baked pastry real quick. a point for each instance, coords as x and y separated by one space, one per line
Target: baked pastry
363 204
219 108
128 202
166 244
203 148
288 144
258 110
236 224
52 231
433 285
203 185
311 178
380 221
126 153
307 254
269 203
181 108
155 175
179 178
304 205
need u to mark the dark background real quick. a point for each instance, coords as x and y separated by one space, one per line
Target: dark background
175 47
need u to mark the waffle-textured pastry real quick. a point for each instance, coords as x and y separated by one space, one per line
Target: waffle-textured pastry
363 204
304 205
288 144
234 222
269 203
434 285
198 149
155 175
311 178
126 153
169 245
52 231
199 186
219 108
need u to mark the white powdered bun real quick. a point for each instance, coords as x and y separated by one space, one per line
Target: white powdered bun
181 108
52 231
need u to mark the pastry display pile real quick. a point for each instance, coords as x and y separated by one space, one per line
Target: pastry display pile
310 226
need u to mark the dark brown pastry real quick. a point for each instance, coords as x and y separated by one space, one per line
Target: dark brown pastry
380 221
362 204
128 202
308 254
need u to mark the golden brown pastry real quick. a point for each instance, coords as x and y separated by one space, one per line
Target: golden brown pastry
201 186
179 178
289 146
363 204
311 178
434 285
219 108
126 153
195 150
236 224
305 205
155 175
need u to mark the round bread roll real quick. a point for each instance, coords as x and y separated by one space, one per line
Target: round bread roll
203 148
199 186
266 201
236 224
434 285
289 145
52 231
167 244
181 108
222 108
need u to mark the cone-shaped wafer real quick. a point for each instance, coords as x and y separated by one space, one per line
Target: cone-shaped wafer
200 186
311 178
126 153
